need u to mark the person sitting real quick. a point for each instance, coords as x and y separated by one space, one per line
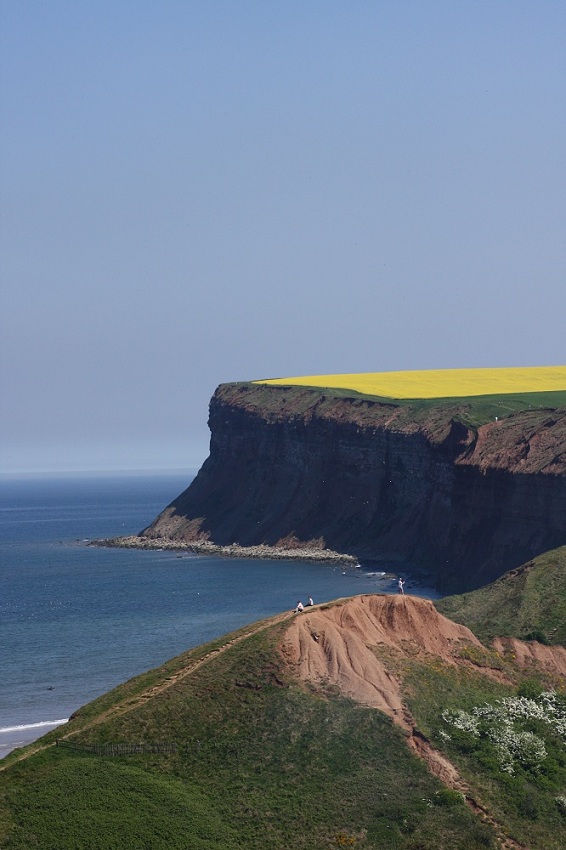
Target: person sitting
299 607
310 601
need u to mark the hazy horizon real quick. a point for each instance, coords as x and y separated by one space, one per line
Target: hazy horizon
197 193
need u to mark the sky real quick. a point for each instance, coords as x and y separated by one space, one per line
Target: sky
202 191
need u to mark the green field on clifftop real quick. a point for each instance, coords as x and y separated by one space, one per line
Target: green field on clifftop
472 410
482 393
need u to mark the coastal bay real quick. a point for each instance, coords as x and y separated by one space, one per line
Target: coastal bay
77 620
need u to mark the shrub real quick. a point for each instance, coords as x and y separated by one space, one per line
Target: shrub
537 635
530 688
502 723
448 797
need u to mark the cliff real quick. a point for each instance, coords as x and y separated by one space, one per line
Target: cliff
290 466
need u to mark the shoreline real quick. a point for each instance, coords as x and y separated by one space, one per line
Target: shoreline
234 550
22 734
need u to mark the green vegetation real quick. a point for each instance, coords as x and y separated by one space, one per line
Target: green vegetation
478 410
265 763
496 751
262 764
507 724
507 740
528 603
73 801
473 411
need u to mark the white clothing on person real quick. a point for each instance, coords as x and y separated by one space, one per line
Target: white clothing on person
299 608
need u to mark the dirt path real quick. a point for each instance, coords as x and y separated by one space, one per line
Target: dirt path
447 773
132 703
336 645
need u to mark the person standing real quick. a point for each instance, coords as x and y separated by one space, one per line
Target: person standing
401 585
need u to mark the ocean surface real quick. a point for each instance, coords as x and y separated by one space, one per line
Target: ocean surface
76 620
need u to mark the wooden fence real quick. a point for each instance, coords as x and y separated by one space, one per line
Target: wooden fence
122 749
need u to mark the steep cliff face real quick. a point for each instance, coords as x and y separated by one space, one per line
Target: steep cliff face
292 465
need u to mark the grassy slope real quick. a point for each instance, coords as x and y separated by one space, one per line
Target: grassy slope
265 764
523 804
473 410
529 599
478 410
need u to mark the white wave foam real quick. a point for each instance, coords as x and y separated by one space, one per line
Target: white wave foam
33 725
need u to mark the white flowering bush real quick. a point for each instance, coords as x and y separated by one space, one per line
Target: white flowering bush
462 720
513 746
500 723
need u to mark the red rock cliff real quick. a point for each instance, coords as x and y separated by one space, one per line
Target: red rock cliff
291 465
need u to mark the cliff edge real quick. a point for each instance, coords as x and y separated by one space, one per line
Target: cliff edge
297 466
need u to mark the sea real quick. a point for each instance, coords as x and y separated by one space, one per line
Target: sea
77 619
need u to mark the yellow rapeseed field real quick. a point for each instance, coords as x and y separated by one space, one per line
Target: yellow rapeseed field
439 383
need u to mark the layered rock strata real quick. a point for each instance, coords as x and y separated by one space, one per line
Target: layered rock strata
295 467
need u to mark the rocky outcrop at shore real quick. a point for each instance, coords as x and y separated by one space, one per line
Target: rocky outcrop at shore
299 469
205 547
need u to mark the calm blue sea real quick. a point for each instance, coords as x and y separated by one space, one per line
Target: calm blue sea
76 620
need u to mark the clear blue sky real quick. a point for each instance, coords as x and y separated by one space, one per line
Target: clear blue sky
201 191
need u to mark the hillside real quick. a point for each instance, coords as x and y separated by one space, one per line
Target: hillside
318 730
463 488
527 601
